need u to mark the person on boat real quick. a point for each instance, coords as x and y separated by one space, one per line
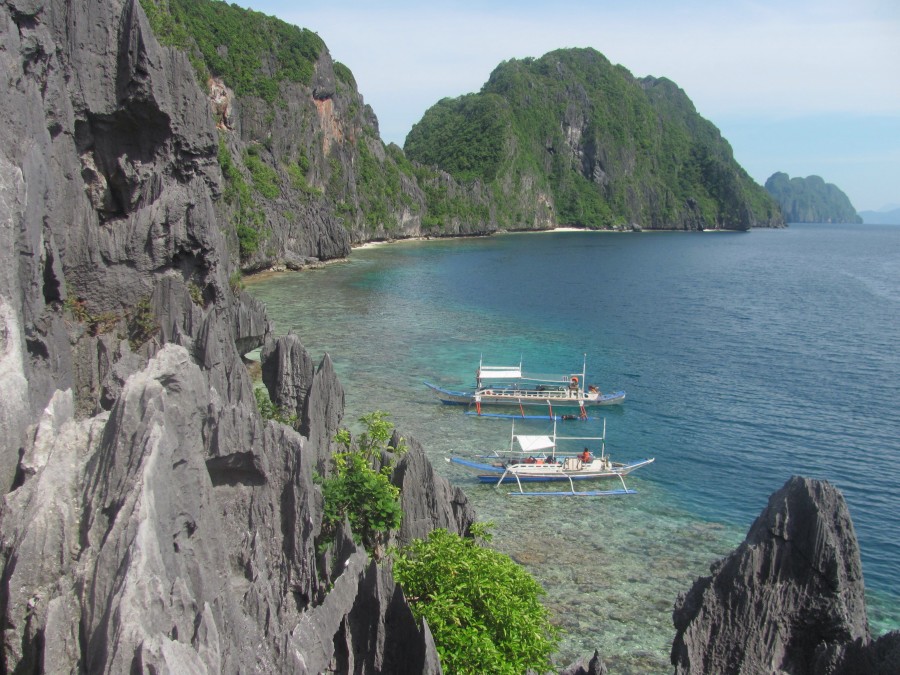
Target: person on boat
573 386
586 456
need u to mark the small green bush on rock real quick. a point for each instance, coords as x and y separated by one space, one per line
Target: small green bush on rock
483 609
358 491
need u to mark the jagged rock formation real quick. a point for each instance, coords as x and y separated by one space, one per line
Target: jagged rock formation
811 200
592 666
151 520
790 599
571 139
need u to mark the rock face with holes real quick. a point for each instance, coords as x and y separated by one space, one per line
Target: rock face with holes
151 520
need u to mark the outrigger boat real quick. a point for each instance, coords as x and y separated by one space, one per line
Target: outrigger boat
535 459
509 386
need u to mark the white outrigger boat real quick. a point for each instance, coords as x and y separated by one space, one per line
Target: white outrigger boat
509 386
535 459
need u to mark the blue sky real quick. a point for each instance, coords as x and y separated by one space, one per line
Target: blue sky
796 86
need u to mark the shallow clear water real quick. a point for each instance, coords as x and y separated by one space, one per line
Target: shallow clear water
747 358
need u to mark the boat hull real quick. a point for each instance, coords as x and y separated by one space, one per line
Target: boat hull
516 399
529 473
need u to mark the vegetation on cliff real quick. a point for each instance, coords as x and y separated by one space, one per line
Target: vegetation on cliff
261 50
811 200
604 148
308 157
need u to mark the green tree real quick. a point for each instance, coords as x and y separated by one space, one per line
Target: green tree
361 492
483 609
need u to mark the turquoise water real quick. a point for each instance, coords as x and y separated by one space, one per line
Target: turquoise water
747 358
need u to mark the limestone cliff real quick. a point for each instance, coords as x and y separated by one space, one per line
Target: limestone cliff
151 520
306 173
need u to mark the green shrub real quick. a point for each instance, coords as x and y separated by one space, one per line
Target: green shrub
196 293
265 178
483 609
97 324
248 219
270 411
360 492
236 281
343 74
297 174
142 324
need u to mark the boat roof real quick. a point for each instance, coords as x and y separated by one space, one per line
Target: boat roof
515 373
500 372
533 443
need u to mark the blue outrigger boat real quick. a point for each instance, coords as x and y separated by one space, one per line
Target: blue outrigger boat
508 386
535 459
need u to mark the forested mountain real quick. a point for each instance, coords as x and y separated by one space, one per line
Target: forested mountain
811 200
571 139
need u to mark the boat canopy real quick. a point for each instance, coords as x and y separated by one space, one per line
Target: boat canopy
500 372
534 443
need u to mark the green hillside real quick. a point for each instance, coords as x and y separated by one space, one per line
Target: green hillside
572 134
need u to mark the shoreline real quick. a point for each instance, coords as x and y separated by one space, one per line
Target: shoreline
280 269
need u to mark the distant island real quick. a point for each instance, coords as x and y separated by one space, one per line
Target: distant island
884 217
811 200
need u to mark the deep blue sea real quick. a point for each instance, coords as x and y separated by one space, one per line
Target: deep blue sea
746 357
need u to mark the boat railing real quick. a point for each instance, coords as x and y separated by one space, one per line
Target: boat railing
524 393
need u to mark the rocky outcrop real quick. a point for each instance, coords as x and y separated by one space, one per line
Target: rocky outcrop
132 543
287 372
592 666
789 599
428 500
